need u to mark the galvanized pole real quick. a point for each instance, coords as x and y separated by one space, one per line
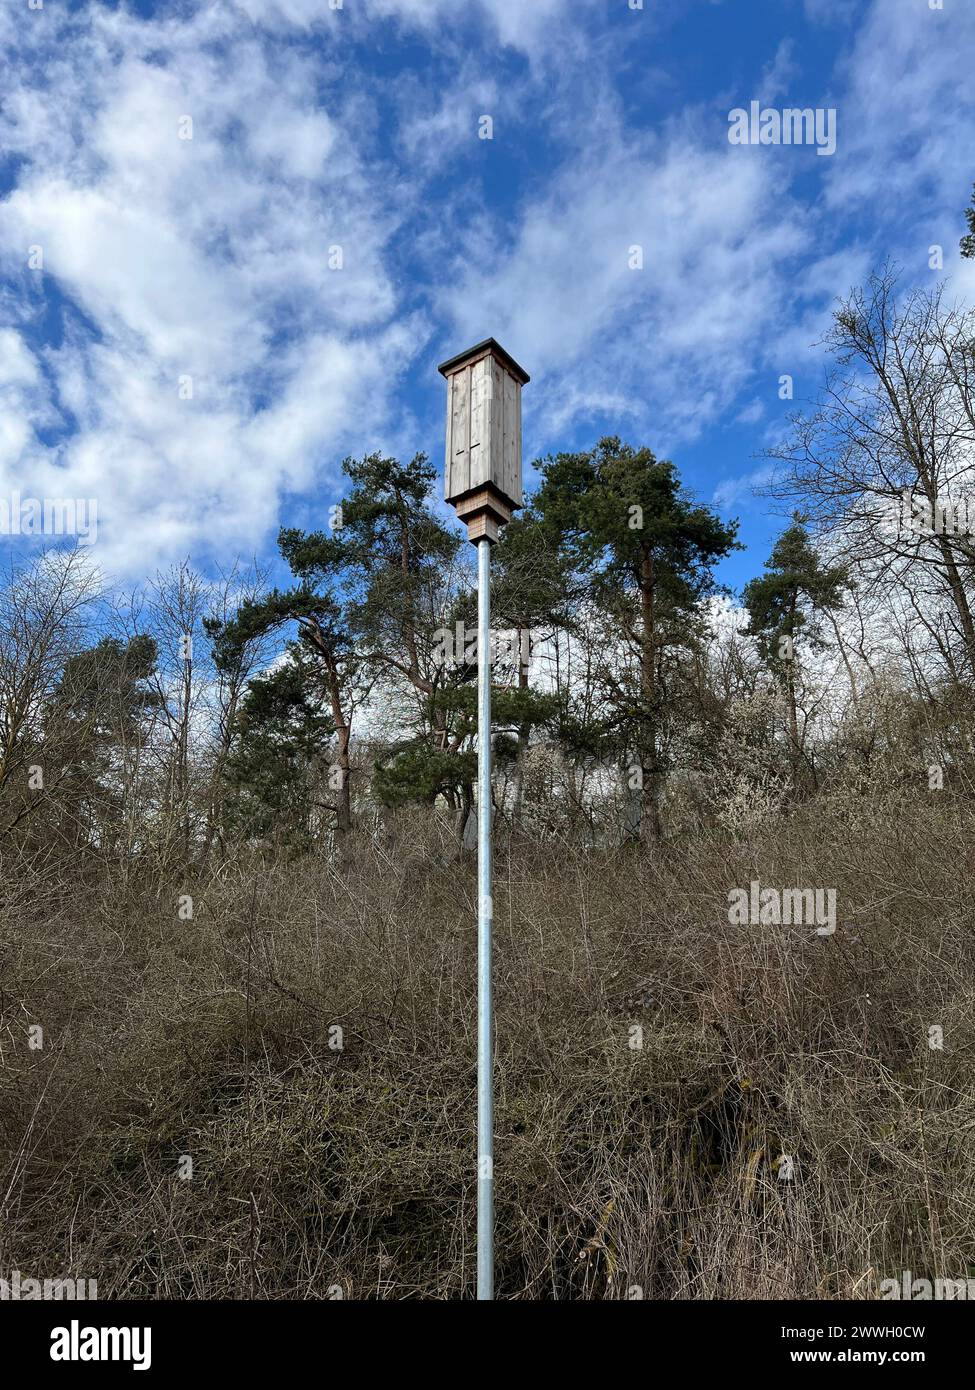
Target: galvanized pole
482 482
485 912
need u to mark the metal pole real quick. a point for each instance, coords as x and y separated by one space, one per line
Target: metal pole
485 912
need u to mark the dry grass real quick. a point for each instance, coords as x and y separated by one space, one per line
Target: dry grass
316 1169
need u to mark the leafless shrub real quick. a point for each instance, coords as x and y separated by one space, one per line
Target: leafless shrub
621 1170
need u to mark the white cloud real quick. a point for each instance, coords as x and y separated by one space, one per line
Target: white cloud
206 263
435 125
730 492
673 341
751 413
777 75
202 260
905 111
23 404
831 11
532 28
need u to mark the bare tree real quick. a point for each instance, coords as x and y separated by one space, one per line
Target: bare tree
44 606
883 465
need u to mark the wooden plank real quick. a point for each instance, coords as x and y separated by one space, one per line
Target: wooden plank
449 456
460 432
508 475
481 394
497 423
516 492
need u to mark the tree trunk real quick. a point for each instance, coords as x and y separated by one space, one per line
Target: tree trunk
960 599
795 747
466 821
342 722
184 754
524 731
343 809
651 828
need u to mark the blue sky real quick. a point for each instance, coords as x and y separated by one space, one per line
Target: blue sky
170 261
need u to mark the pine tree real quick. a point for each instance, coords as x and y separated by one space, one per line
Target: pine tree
649 551
278 768
315 604
531 597
102 711
784 606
